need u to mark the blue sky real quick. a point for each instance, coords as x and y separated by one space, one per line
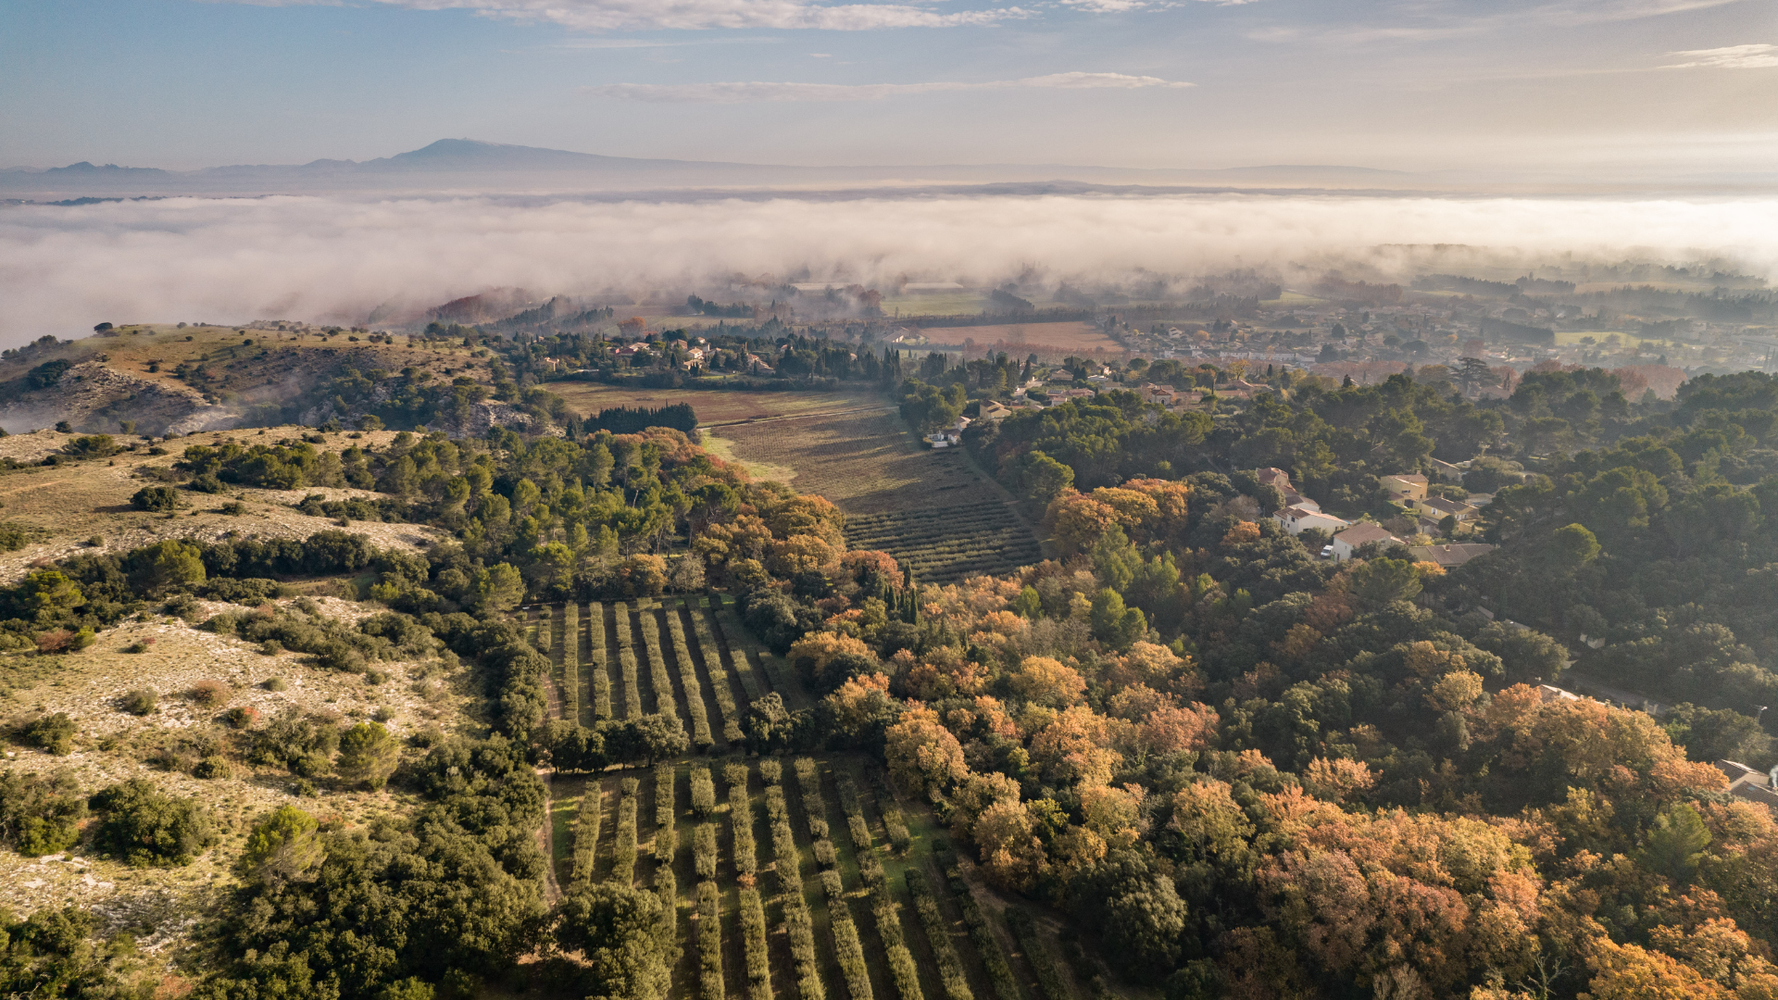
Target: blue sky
1667 87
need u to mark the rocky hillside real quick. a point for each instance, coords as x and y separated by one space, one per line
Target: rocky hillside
160 380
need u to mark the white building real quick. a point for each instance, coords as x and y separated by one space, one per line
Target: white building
1296 520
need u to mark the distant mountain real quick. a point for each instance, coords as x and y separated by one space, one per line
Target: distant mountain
85 169
455 164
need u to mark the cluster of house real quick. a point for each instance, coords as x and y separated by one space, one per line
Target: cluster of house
1754 786
1299 513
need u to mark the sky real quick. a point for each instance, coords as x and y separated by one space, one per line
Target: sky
1645 88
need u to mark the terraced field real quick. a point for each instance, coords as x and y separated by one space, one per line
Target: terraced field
942 545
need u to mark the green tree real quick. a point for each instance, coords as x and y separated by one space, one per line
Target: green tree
170 565
1571 547
1114 623
499 587
283 847
615 928
1379 582
50 595
368 755
1676 843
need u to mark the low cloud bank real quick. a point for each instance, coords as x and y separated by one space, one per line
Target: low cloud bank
62 269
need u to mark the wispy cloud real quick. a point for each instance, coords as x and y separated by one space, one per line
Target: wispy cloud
1411 22
747 92
632 15
1758 56
1129 6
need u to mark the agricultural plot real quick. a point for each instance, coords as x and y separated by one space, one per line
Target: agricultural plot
1046 340
713 406
949 544
805 878
794 884
865 463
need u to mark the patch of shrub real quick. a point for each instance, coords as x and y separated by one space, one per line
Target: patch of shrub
156 499
40 814
61 640
15 536
91 446
241 717
897 826
140 701
252 591
52 733
304 744
146 828
214 766
210 693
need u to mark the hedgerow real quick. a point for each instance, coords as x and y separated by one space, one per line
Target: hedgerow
703 791
666 840
666 886
571 662
798 926
740 814
703 850
709 941
688 678
596 661
938 934
1024 929
623 868
719 685
987 943
586 834
846 945
626 658
789 861
808 778
753 939
903 972
853 806
658 677
897 826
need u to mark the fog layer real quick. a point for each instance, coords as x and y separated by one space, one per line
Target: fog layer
64 268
